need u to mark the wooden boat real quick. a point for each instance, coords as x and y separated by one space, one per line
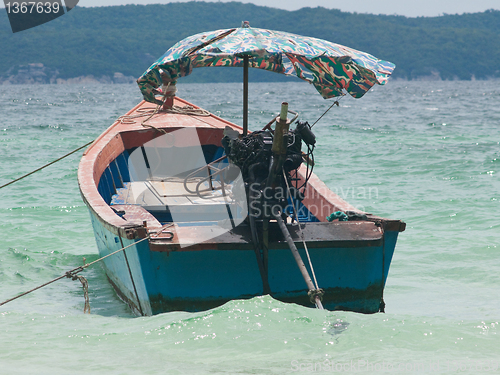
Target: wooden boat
179 256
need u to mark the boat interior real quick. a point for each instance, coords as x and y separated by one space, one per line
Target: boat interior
189 184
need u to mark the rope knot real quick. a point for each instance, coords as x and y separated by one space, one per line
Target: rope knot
313 293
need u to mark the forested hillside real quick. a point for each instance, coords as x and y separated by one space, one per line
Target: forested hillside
119 43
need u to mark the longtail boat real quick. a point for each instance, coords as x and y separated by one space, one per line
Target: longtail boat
192 211
168 267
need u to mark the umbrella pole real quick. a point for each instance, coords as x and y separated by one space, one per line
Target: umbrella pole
245 95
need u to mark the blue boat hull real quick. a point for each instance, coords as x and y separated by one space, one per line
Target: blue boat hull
152 282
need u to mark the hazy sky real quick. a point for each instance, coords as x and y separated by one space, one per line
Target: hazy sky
409 8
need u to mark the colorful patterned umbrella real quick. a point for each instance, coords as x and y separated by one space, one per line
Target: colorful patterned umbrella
330 67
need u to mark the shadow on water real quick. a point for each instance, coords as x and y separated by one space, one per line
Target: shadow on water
335 329
338 327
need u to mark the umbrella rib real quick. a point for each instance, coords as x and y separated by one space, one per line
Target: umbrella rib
203 45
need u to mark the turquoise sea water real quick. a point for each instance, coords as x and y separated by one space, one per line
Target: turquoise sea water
424 152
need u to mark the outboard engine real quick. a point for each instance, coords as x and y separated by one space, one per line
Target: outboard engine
253 155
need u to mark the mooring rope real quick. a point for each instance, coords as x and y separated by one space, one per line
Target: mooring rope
128 119
150 112
72 274
46 165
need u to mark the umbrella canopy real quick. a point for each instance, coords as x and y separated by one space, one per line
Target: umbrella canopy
330 67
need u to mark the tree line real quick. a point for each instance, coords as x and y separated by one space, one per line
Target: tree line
128 39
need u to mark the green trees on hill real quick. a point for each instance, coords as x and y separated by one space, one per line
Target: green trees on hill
127 39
